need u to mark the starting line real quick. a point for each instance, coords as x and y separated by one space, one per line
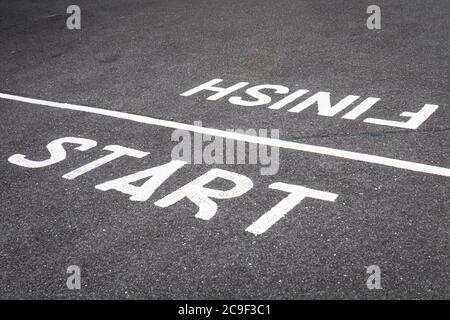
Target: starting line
389 162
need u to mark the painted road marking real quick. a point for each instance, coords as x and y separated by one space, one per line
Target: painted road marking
196 190
321 99
389 162
296 195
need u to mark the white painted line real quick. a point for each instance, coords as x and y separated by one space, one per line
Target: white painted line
401 164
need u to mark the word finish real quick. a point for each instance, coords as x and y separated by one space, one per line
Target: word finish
321 99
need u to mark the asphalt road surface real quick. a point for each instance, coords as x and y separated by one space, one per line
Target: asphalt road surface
137 57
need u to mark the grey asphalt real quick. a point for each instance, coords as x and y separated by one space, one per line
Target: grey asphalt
138 56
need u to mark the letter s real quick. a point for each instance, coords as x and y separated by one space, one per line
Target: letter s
57 152
262 98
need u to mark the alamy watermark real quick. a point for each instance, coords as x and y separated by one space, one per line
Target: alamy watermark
73 22
74 280
197 148
374 280
374 20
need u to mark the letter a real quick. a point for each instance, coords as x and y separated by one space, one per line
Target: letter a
74 21
374 21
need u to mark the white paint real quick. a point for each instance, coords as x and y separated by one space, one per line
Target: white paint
361 108
117 152
323 101
209 86
260 97
57 152
241 148
401 164
416 118
296 195
286 100
158 176
201 195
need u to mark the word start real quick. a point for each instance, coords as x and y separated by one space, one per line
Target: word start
196 190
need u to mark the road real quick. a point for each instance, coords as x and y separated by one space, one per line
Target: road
138 57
